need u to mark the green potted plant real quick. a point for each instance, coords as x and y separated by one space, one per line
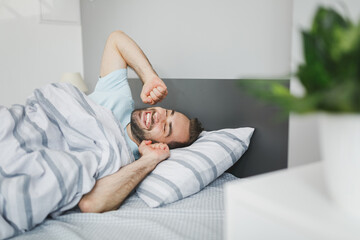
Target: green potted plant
330 75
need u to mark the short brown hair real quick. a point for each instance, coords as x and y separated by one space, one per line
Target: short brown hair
195 129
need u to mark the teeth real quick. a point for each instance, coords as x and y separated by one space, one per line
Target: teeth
147 119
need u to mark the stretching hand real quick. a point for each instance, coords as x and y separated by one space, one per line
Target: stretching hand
156 151
153 91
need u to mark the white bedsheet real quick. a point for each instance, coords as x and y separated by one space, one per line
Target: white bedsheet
200 216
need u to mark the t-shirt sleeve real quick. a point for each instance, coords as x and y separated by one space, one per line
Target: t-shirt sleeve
113 92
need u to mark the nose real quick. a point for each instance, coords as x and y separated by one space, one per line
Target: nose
160 116
163 116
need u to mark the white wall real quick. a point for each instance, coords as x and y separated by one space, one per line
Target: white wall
207 39
303 129
194 39
33 53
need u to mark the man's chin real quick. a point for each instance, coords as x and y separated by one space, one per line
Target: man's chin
136 131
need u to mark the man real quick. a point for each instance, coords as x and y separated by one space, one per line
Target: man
150 132
61 148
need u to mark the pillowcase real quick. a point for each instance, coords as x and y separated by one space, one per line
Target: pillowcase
190 169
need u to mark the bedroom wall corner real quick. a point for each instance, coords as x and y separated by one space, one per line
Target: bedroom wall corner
34 51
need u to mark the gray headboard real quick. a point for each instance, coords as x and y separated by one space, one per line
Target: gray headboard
220 103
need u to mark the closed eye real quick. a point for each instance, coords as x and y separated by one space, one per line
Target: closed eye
170 130
166 113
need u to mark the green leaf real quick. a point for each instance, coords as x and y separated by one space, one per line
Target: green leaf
314 77
345 41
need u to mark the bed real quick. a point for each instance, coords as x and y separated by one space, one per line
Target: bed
201 215
197 217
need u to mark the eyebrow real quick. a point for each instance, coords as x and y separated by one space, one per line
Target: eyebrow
170 125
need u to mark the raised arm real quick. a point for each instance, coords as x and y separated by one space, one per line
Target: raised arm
110 191
121 51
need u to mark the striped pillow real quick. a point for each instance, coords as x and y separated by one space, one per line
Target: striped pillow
190 169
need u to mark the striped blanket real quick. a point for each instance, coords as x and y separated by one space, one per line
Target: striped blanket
52 150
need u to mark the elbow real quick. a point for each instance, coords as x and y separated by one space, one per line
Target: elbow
116 34
115 37
88 206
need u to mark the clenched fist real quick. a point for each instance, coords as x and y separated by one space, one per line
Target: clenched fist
153 91
156 151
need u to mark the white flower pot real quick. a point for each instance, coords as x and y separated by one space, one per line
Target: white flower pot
340 151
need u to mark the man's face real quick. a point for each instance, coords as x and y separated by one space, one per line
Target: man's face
160 125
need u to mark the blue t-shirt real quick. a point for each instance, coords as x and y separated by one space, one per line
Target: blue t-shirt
113 92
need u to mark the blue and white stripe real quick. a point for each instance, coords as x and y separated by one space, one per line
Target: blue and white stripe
190 169
53 149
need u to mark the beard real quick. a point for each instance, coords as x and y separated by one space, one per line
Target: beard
137 132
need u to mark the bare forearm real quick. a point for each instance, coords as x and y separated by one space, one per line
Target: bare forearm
133 55
109 192
119 53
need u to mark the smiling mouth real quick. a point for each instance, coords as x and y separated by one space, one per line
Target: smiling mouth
147 119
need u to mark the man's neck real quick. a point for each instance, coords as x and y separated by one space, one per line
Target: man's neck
128 130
